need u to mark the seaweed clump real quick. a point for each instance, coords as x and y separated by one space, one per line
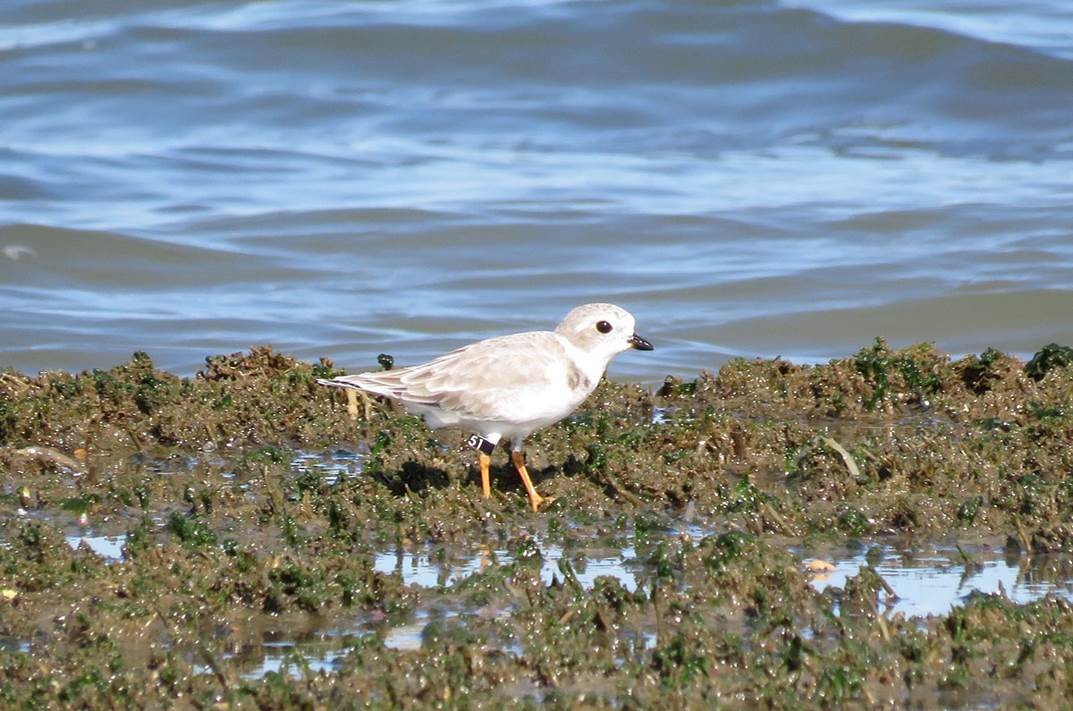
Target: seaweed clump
254 509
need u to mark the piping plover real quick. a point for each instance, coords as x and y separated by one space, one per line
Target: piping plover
509 386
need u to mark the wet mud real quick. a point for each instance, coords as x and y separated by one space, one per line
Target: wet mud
239 539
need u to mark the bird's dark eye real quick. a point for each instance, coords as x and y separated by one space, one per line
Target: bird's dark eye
603 327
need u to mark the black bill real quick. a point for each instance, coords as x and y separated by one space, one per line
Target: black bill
640 343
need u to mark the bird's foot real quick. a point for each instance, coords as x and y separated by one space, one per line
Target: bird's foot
540 502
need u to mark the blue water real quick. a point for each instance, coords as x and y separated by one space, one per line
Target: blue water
344 179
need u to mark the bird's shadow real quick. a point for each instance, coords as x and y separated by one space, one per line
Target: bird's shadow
416 477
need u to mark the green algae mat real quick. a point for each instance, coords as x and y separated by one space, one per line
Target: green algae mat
239 540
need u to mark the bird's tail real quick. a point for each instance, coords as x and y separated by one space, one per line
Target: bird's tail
366 382
335 383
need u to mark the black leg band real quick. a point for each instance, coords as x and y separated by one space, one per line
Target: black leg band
478 442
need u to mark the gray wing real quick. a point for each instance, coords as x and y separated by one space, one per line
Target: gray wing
484 380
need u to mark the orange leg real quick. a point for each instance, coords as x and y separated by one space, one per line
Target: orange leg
484 461
535 499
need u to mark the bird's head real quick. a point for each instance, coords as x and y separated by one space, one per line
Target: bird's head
603 330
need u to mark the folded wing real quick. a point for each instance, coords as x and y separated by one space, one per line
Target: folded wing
505 378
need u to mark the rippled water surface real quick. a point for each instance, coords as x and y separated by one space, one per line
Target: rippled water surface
344 179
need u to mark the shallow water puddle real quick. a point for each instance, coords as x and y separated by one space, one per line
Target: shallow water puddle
406 637
662 415
14 644
282 657
925 582
935 582
337 466
419 567
671 415
306 654
324 651
425 568
110 548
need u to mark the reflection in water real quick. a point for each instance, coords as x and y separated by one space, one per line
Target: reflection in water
935 582
108 547
13 644
929 583
419 567
925 581
341 465
286 657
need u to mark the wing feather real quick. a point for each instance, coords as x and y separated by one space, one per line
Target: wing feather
487 380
